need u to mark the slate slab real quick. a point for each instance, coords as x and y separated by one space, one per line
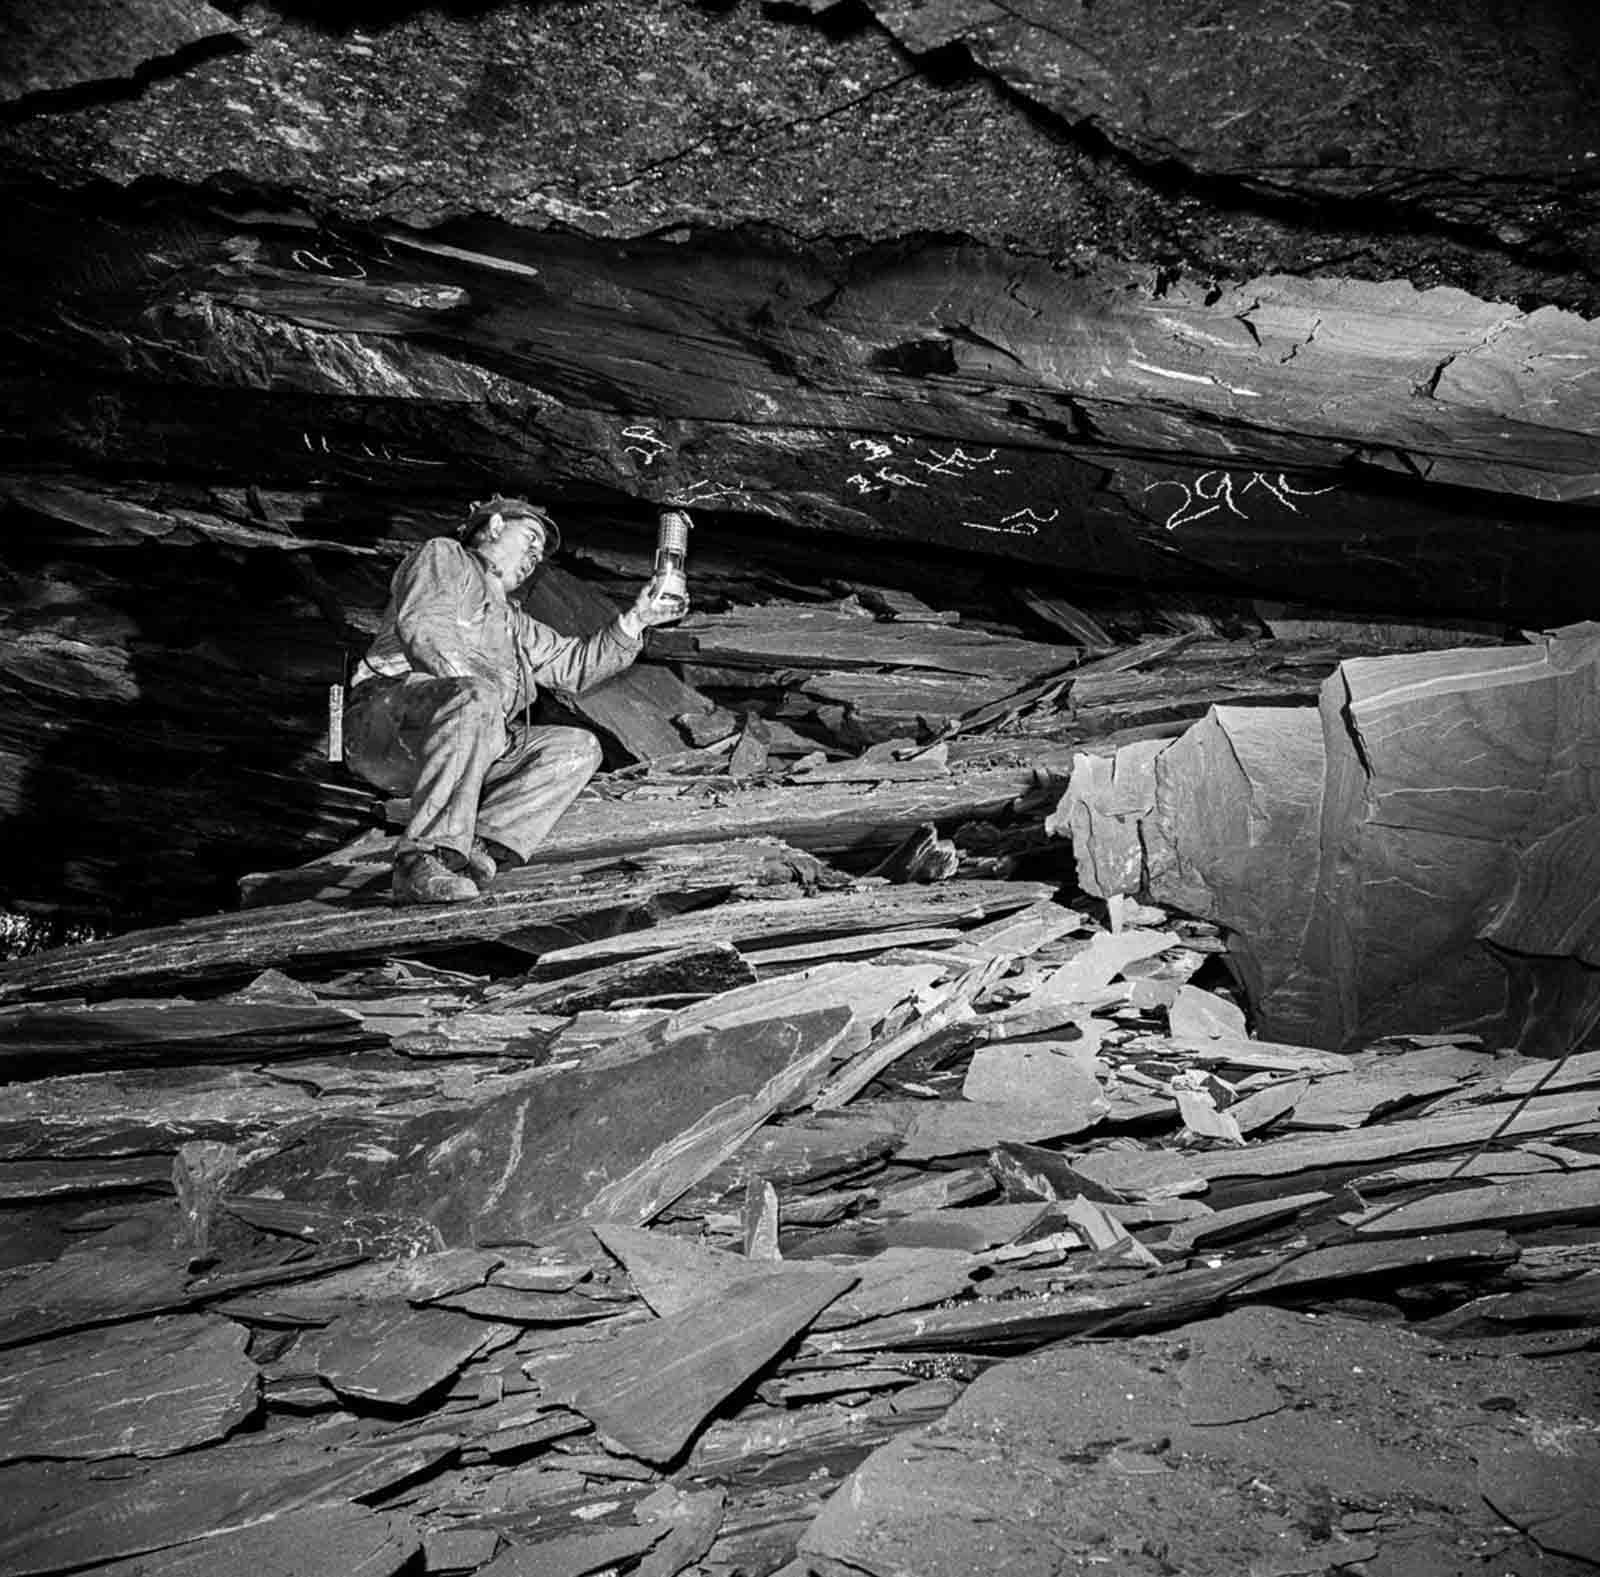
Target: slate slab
618 1136
1040 1075
144 1389
419 1278
38 1040
1520 1202
969 1230
561 895
899 1278
1151 1454
524 1306
576 1554
960 1127
349 1541
671 1273
393 1353
62 1515
649 1390
108 1284
1553 1496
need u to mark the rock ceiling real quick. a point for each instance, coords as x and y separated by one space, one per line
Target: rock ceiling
1222 295
1263 300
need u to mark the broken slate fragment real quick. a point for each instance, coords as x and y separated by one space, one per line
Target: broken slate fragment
519 1306
349 1540
622 1133
942 1128
691 1520
419 1279
1029 1171
394 1354
1373 1086
575 1554
1142 1174
1100 812
1075 988
1554 1497
760 1221
1575 1072
93 1286
968 1231
1411 1137
1267 1104
944 1190
1203 1015
648 1390
459 1549
62 1515
527 1273
901 1277
1221 1226
1519 1202
671 1273
1202 1119
144 1389
1047 1076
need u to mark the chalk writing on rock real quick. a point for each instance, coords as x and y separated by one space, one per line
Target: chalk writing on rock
905 456
1216 490
383 452
884 476
647 444
327 263
1019 523
705 490
872 449
650 446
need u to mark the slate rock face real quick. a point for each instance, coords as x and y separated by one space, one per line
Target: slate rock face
1373 101
1420 850
1259 437
1059 135
51 49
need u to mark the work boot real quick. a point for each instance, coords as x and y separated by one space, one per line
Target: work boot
422 877
481 866
504 859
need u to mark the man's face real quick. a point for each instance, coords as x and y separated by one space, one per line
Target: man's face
519 549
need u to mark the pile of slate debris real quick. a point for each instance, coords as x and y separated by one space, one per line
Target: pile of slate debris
791 1172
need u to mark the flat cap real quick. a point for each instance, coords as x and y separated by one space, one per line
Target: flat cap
510 509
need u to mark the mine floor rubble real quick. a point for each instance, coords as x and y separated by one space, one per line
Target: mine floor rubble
799 1169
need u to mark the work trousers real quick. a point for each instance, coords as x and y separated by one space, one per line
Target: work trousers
445 742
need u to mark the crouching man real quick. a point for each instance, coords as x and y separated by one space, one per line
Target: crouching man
439 706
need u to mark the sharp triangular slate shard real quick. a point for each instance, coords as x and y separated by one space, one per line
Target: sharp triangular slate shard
649 1390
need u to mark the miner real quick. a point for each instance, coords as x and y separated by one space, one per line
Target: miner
440 706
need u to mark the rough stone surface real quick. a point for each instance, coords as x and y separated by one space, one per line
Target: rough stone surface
142 1390
1260 1441
1418 850
52 48
1066 135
